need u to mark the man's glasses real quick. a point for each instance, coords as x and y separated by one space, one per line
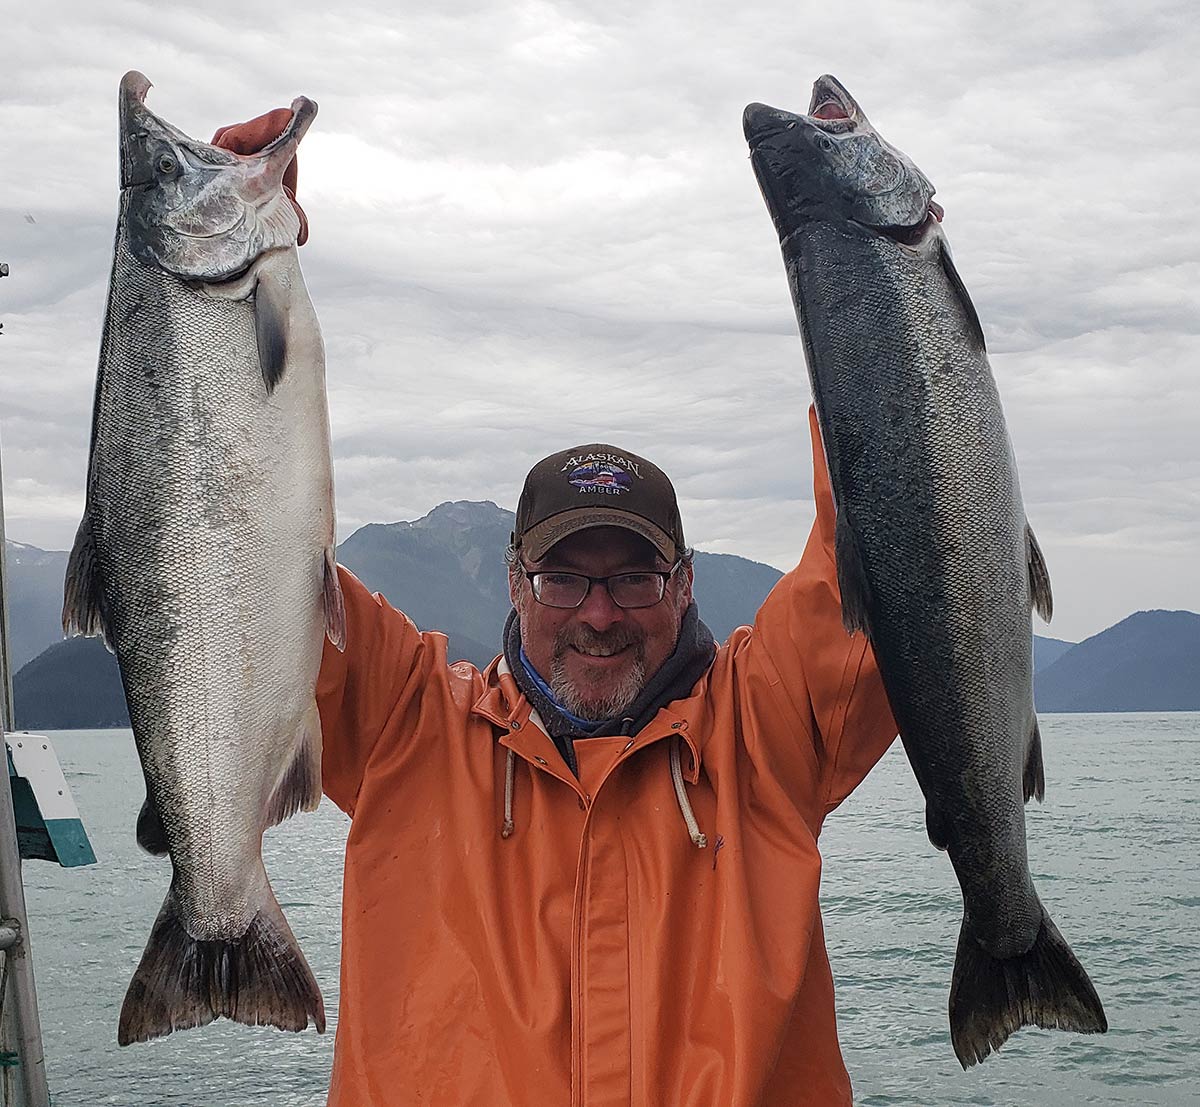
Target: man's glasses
628 590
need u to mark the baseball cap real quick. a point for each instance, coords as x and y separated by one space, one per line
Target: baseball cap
597 486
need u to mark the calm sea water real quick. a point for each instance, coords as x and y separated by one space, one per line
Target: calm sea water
1115 852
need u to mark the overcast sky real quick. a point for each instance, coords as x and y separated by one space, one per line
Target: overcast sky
535 224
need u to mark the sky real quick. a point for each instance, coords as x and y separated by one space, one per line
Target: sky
535 225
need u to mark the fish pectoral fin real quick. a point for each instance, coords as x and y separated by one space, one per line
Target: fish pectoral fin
852 578
299 788
1033 780
260 979
990 997
974 326
335 605
1039 577
83 598
151 834
271 327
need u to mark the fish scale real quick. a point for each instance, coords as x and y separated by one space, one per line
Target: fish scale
936 562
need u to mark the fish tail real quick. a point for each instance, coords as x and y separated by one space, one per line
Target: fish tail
991 997
260 979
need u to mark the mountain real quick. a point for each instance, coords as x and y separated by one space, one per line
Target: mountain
71 686
35 599
1046 651
447 572
1147 662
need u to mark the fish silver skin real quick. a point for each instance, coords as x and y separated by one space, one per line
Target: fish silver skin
205 556
935 559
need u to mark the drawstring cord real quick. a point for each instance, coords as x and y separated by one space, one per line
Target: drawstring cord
510 776
699 838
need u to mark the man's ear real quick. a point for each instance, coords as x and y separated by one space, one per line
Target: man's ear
514 585
688 573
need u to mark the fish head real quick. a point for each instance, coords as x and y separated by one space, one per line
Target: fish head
831 164
196 210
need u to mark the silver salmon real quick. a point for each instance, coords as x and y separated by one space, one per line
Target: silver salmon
205 556
935 559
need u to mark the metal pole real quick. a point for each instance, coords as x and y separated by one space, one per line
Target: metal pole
20 1027
7 713
6 694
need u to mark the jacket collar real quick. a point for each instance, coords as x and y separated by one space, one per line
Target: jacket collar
505 706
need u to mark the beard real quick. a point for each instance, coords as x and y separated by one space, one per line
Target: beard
619 692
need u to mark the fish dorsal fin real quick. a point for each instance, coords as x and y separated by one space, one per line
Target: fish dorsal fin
271 327
1039 577
852 577
1033 780
974 327
83 599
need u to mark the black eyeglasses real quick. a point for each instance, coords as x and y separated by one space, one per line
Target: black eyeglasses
628 590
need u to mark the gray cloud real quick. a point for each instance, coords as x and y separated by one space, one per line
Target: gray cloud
535 224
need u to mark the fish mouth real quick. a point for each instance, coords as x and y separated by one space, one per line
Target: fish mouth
304 111
831 108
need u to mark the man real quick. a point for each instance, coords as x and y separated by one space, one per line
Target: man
588 875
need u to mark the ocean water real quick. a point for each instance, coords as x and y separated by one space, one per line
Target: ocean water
1115 853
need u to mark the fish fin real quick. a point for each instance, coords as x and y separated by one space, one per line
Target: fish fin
299 789
270 327
1039 578
335 606
935 827
83 599
1034 778
151 835
974 326
991 997
852 578
260 979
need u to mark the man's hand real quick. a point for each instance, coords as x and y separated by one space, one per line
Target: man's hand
252 136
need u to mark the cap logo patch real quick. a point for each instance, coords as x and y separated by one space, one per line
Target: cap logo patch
602 477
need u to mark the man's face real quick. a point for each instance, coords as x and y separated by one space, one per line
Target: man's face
597 657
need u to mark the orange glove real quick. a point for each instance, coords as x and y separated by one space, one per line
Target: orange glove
252 136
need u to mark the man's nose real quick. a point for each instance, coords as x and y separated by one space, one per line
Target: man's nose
598 609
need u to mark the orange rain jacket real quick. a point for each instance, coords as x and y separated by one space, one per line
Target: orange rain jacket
595 956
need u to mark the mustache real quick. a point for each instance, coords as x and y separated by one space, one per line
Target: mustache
585 637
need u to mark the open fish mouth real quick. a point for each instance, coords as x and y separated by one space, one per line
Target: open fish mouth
832 108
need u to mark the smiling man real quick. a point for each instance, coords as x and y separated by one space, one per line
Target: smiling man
588 875
601 585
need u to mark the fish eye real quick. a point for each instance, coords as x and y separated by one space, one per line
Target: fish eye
166 164
826 143
790 126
